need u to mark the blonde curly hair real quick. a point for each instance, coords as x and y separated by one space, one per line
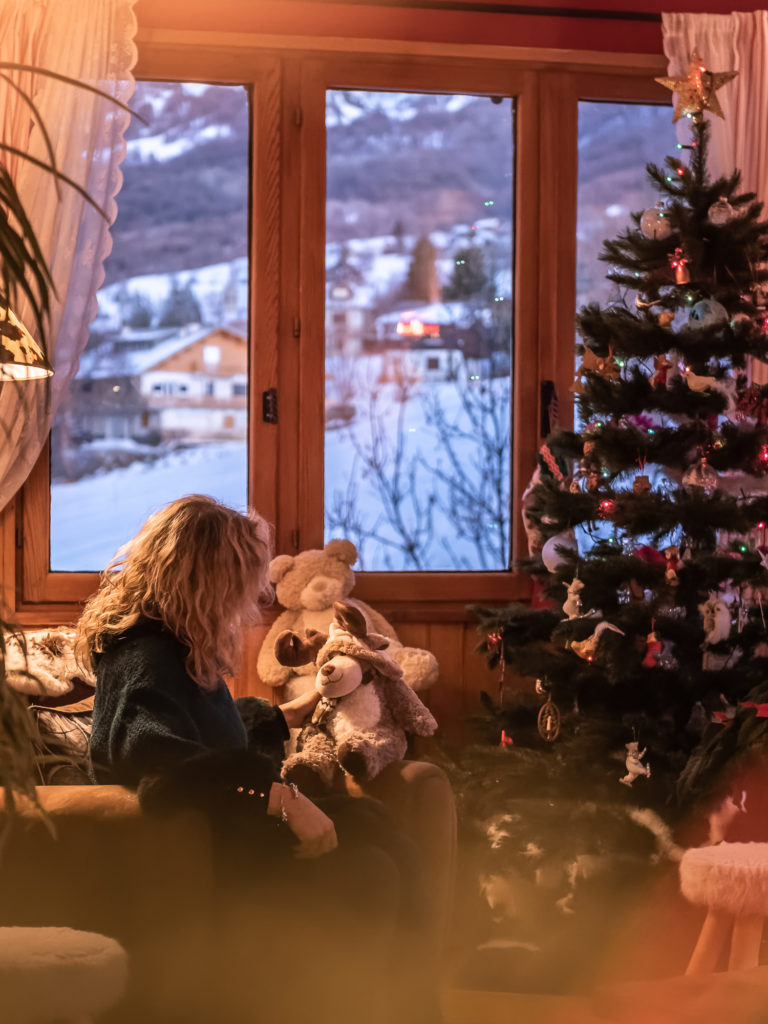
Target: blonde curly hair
198 567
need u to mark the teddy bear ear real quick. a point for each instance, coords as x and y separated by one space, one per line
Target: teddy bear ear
278 567
344 550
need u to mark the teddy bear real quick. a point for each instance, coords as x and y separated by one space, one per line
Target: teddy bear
365 709
307 585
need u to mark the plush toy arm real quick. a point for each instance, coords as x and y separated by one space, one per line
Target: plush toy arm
407 709
270 671
420 667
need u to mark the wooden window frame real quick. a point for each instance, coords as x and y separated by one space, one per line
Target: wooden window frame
287 272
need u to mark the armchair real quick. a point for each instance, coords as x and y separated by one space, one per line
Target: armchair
94 861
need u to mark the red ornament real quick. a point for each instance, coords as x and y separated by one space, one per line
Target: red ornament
506 741
650 555
678 261
653 648
606 508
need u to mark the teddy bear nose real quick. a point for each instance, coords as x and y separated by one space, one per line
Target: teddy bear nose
327 669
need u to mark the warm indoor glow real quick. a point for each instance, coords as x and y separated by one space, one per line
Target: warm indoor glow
21 358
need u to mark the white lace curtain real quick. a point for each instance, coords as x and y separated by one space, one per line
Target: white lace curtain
93 42
731 42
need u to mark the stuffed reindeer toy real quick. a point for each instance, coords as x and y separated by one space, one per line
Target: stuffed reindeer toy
365 708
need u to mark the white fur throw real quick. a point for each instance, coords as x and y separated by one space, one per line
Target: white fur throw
732 877
58 974
47 667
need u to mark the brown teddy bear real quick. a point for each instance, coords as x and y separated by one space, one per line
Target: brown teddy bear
365 708
307 586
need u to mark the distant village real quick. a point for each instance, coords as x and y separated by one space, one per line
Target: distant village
167 361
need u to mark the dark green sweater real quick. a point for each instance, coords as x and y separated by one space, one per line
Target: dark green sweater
151 721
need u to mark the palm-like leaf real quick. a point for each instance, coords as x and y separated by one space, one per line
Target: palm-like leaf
23 267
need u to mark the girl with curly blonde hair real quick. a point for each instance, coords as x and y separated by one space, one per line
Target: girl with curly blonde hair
162 631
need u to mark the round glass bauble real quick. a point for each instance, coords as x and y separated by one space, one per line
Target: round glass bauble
700 477
654 223
720 212
706 312
551 557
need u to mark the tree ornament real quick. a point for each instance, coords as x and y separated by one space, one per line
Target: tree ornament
551 557
586 648
548 721
572 606
495 644
678 261
717 620
753 404
604 366
662 364
551 465
707 312
761 462
721 211
696 89
665 318
653 648
634 764
672 562
607 508
700 477
654 223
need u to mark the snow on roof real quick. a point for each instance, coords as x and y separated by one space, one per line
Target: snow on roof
106 361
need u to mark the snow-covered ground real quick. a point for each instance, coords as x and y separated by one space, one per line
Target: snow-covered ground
93 516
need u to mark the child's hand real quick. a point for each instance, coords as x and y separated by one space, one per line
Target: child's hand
311 826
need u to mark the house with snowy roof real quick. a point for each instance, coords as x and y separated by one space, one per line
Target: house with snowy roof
156 386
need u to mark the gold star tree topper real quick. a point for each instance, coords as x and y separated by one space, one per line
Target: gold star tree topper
696 89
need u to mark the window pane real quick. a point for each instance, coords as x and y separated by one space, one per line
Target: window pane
159 406
616 141
418 336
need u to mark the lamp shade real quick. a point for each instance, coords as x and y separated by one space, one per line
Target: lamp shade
21 358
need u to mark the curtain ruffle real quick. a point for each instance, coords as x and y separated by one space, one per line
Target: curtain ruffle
93 42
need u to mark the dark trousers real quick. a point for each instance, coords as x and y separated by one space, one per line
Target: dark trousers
330 939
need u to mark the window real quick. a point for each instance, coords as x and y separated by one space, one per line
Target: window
297 310
616 141
179 242
418 386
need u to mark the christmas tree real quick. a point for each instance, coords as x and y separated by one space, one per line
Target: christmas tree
648 636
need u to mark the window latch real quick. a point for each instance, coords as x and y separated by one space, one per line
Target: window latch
269 405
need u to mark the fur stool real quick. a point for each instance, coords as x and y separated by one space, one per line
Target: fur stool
58 974
731 881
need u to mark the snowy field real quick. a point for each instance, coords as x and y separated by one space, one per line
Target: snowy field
93 516
381 500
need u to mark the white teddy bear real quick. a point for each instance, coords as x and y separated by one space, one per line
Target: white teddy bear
307 586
